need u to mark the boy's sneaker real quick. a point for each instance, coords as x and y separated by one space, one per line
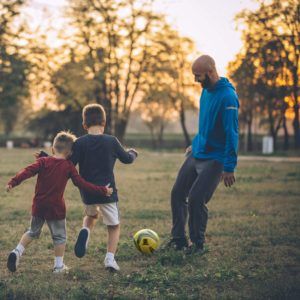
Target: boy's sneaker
62 270
111 264
13 260
177 244
81 243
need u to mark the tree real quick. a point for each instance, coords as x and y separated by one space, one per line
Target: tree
114 37
72 85
258 76
47 122
171 63
242 71
279 21
157 110
271 69
13 68
169 91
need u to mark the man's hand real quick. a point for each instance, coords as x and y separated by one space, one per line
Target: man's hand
228 178
188 149
8 188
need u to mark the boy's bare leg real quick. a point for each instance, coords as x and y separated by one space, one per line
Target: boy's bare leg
59 250
83 238
59 237
113 238
113 234
89 222
25 240
14 256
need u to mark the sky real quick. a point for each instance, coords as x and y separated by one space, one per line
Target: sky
210 23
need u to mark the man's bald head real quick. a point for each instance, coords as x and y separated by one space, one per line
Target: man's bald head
204 63
204 69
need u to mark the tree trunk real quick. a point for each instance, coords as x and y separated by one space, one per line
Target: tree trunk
102 98
296 105
274 136
160 135
286 135
108 109
183 126
153 138
249 136
296 127
120 129
274 132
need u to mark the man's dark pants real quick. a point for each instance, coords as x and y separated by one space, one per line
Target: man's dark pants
195 184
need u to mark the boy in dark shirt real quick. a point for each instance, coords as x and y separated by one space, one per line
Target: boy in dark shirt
48 202
96 154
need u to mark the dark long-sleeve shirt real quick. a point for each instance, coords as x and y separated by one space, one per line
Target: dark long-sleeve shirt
96 156
53 174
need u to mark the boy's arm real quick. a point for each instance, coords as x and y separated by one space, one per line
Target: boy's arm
84 185
40 154
74 158
26 173
126 157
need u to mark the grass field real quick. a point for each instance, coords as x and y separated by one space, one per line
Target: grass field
253 238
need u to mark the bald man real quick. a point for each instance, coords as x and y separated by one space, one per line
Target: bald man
212 157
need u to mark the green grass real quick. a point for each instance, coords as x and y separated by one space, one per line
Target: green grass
252 250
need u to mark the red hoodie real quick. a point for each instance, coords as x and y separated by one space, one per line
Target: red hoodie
53 175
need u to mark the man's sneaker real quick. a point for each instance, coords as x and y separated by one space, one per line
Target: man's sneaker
111 264
195 249
62 270
81 243
177 244
13 260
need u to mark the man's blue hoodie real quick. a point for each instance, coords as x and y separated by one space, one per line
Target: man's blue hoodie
217 137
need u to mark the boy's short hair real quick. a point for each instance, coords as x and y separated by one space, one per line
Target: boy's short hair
93 115
63 141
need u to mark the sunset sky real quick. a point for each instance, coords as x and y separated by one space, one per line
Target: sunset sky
209 23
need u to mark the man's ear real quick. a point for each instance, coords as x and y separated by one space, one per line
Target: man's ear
210 74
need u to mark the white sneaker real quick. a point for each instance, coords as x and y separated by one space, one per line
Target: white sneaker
13 260
111 264
62 270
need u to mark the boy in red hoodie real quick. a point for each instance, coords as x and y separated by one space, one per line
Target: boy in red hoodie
48 202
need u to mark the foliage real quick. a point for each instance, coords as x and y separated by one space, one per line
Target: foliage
169 91
271 60
13 67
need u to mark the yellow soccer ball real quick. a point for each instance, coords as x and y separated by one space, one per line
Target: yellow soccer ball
146 241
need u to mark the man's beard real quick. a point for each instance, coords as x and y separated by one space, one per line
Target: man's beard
206 83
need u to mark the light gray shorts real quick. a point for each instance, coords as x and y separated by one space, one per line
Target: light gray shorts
109 211
57 229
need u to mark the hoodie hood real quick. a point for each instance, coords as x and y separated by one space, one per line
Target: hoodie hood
223 82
